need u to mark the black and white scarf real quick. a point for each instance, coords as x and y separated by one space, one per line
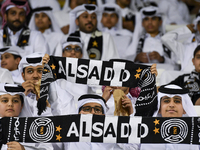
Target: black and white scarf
101 129
23 37
193 84
95 45
95 72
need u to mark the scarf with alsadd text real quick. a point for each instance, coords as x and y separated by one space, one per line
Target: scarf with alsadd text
96 72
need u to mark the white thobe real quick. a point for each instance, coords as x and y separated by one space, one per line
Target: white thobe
36 42
5 76
99 146
154 44
120 36
169 147
66 94
184 52
175 12
33 146
62 17
17 77
109 50
54 41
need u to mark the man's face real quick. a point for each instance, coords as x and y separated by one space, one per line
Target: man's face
73 51
109 20
33 73
10 106
9 62
87 22
151 24
196 61
42 21
198 26
171 106
86 109
15 18
125 3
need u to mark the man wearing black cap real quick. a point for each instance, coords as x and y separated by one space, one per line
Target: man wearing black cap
15 31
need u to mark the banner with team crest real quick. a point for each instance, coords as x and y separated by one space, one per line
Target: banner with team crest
96 72
101 129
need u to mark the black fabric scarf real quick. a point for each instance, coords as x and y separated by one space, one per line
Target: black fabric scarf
193 85
23 37
140 46
125 74
95 45
101 129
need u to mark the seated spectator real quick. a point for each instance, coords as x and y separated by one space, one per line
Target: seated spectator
177 41
177 104
62 17
111 22
44 21
176 12
127 14
10 58
97 45
191 81
148 41
16 33
31 69
14 104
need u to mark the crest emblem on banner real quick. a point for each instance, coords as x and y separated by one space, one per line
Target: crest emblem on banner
174 130
41 130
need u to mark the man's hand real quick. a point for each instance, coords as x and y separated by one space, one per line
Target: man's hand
15 146
191 27
45 59
65 29
126 103
156 56
154 70
108 91
142 57
29 86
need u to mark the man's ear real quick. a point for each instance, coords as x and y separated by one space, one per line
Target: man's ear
77 22
23 76
193 61
5 17
184 111
18 60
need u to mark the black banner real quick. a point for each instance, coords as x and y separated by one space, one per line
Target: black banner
102 129
96 72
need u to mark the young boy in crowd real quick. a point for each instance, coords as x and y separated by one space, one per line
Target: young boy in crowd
10 58
44 21
191 81
14 104
173 101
